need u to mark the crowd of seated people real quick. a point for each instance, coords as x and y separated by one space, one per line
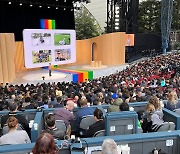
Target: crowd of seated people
150 80
155 76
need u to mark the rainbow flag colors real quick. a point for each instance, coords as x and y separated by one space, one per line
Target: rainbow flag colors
77 75
47 24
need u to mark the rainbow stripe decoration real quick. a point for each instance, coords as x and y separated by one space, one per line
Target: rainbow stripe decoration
77 75
47 24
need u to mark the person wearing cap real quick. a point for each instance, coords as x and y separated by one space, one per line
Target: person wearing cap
115 103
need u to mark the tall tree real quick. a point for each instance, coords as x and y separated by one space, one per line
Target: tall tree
150 16
86 25
176 15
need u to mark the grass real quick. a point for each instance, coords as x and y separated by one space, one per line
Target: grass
60 37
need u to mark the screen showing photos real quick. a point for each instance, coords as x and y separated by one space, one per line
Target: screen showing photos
42 47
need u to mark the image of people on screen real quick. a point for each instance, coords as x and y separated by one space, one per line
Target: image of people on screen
61 39
41 56
38 39
62 54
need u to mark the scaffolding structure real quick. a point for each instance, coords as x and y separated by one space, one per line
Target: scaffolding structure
122 16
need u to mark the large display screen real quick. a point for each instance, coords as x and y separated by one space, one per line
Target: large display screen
42 46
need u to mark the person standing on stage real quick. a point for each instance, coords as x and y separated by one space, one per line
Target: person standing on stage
50 69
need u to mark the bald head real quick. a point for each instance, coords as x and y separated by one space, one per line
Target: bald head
70 105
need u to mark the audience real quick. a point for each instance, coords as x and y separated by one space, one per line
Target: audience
84 110
14 136
154 76
172 101
45 144
52 129
115 103
98 125
124 107
148 80
153 118
109 146
13 108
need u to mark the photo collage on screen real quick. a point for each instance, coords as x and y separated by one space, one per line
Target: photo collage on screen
61 52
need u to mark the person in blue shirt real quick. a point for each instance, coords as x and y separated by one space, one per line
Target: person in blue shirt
84 110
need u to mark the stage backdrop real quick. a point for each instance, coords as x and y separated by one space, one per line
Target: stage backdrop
7 55
108 48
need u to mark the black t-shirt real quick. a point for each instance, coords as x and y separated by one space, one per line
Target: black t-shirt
99 125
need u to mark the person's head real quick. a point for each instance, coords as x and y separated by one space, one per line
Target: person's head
155 101
12 106
83 102
150 108
124 107
12 123
109 146
70 105
45 145
172 97
98 114
50 120
114 96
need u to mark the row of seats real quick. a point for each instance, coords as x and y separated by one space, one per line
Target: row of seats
117 123
167 142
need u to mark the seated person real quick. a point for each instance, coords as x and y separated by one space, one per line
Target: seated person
153 118
52 129
65 113
124 107
115 103
172 101
84 110
109 146
67 116
14 136
12 106
98 125
45 144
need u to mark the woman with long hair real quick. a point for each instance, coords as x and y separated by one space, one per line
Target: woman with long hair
172 101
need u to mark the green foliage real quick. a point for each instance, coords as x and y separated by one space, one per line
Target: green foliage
150 16
176 15
86 26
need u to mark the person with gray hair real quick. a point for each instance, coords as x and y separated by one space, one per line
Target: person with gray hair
109 146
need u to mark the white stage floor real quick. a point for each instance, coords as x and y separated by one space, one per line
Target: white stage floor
35 76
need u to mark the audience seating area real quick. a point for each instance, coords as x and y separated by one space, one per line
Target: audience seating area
168 142
117 123
102 93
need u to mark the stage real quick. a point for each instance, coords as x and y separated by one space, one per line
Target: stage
63 73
